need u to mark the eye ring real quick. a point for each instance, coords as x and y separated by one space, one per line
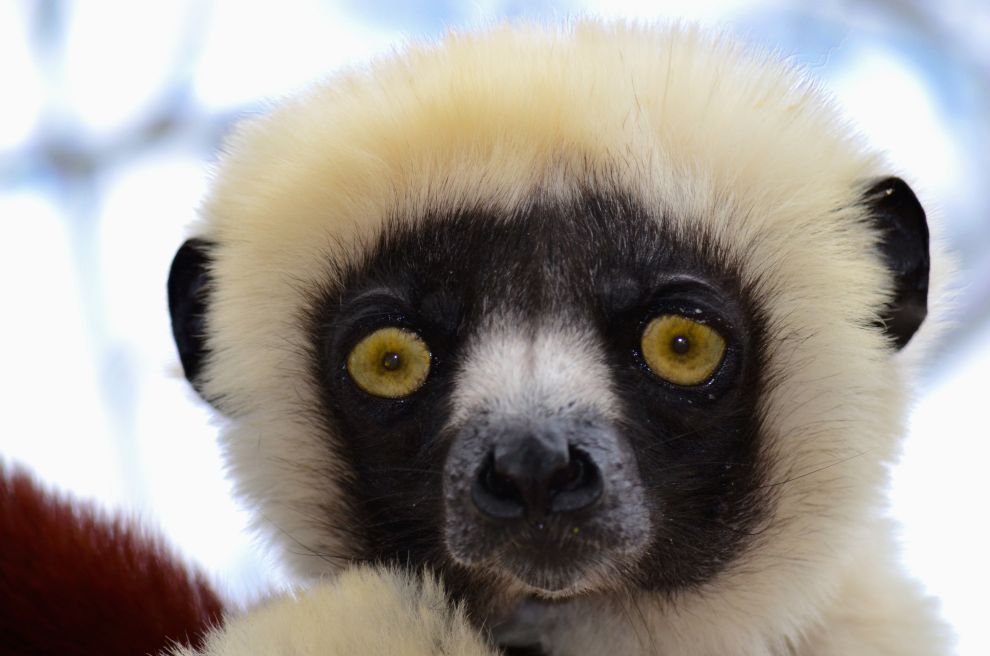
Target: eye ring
682 351
389 363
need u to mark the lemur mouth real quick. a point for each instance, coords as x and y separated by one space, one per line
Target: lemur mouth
547 582
550 556
523 650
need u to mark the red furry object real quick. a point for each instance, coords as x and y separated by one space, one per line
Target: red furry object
74 582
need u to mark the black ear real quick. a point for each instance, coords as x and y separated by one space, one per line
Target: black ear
903 241
188 286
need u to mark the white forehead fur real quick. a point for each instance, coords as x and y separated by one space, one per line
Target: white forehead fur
715 138
513 369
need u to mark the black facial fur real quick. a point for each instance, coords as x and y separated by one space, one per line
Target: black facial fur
188 281
900 220
602 263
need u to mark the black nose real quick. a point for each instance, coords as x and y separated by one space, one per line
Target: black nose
533 475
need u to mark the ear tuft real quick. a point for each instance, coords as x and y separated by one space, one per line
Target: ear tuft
902 230
188 288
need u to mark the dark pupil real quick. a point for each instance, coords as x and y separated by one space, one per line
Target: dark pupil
680 345
391 361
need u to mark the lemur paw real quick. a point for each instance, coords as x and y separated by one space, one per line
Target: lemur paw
362 611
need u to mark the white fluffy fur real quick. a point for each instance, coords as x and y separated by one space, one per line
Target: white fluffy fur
713 136
360 612
509 373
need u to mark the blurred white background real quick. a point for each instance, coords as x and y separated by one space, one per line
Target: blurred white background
111 113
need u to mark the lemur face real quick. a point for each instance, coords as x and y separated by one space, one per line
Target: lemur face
584 407
555 321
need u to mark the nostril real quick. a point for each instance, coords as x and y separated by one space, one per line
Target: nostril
576 486
496 495
501 486
571 475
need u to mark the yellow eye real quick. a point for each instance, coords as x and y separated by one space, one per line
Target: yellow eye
390 362
682 351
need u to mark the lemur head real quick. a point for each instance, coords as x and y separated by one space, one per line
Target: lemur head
593 311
